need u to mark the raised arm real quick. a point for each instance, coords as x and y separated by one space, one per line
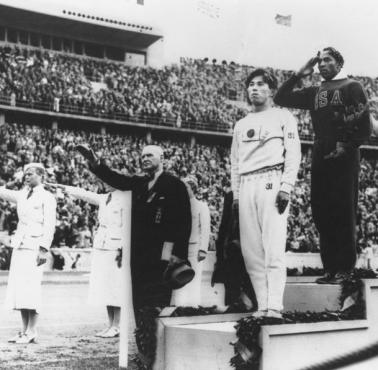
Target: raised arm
107 175
79 193
287 97
9 195
115 179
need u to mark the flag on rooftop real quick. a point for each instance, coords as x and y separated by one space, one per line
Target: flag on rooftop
284 20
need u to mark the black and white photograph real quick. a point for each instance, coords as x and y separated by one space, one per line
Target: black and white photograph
188 185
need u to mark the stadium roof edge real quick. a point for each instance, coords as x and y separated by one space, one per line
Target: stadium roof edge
80 26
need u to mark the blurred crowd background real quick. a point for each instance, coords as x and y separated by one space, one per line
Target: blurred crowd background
201 94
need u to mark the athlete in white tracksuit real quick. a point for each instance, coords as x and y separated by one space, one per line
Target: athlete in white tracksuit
265 158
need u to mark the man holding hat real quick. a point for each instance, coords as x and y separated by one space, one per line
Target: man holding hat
36 210
160 224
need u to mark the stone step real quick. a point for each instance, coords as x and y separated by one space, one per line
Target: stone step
285 347
311 297
203 342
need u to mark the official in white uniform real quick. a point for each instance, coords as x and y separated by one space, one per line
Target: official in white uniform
265 158
105 282
36 210
190 294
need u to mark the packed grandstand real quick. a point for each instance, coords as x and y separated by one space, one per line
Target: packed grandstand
195 94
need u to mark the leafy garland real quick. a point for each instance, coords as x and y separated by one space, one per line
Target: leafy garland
145 333
247 349
316 271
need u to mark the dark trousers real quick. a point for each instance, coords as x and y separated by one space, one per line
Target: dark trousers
149 287
334 196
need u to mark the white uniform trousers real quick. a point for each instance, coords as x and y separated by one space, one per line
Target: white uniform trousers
263 237
190 294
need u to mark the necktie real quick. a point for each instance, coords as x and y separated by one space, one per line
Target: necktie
30 193
109 198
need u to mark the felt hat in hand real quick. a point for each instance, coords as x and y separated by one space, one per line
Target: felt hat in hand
178 275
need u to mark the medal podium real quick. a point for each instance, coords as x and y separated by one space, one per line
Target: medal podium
203 342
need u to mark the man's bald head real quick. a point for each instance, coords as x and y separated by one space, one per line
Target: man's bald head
152 158
155 149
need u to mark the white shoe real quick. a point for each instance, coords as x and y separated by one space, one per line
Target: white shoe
260 313
102 332
111 333
275 314
15 338
26 338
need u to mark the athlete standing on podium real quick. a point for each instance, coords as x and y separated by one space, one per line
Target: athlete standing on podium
265 158
340 116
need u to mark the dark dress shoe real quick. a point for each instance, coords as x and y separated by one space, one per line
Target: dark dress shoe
339 278
325 279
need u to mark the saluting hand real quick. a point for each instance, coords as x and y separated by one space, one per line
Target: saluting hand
308 68
87 153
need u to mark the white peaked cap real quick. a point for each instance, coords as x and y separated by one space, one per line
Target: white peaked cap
34 165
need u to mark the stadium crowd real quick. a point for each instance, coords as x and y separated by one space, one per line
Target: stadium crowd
193 93
22 144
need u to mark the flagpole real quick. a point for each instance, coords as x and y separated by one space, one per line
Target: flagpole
127 312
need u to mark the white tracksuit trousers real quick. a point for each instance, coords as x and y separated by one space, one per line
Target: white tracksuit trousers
263 237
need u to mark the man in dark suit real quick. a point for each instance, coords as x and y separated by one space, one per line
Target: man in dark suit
160 223
230 268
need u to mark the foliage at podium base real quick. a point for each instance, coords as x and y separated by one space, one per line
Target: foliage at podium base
247 348
145 333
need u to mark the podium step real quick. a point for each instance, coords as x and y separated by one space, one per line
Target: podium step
311 297
203 342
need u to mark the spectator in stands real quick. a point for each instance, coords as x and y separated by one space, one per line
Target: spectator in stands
208 163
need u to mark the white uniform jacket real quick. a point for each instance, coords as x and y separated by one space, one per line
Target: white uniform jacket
262 140
36 215
200 234
112 216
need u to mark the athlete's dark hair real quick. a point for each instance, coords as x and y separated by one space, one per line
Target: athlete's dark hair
267 76
335 54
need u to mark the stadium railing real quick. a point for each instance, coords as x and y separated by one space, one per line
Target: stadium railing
135 118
